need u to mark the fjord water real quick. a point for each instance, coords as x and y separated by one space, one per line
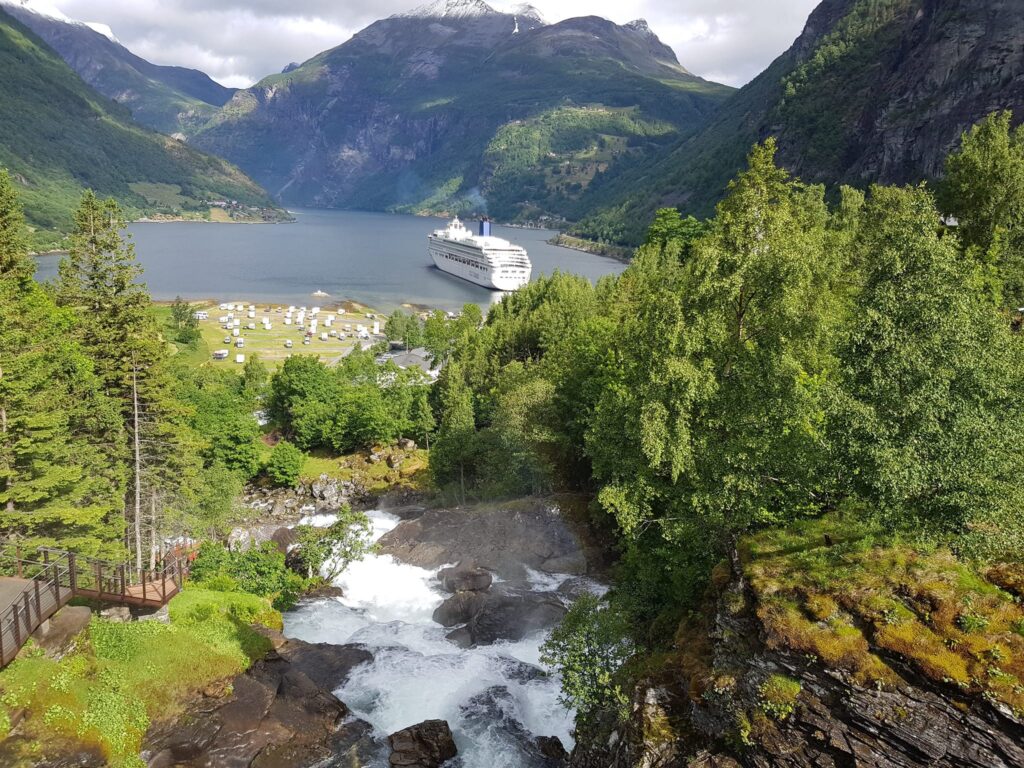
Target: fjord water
377 259
491 696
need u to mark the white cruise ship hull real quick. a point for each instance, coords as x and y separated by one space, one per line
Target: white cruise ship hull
476 273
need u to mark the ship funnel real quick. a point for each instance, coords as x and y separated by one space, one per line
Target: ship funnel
485 227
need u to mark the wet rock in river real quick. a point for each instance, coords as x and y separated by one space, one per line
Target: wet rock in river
459 608
425 745
505 538
467 576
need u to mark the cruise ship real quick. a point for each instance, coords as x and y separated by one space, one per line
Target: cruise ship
483 259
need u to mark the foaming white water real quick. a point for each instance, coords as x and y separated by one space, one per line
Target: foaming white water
493 697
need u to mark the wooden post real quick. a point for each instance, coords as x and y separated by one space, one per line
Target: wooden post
122 582
39 604
56 583
17 628
28 613
72 573
143 586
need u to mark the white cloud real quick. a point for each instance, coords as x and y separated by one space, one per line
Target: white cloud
237 42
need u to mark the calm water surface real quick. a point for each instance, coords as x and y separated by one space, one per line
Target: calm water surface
377 259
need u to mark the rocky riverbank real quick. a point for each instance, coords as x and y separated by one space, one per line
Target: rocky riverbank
449 664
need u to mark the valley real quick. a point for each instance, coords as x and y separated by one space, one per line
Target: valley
729 476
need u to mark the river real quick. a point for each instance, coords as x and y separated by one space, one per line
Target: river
377 259
492 695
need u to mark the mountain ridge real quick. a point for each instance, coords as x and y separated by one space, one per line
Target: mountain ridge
872 90
61 137
169 99
406 115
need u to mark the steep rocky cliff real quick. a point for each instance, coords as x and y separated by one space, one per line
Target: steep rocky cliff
825 650
872 90
457 106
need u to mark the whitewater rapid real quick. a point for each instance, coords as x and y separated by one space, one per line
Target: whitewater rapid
489 695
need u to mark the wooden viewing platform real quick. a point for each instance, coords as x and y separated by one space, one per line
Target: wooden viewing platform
41 587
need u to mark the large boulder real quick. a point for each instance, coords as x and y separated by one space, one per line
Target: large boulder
281 713
426 745
504 613
506 539
513 616
57 635
467 576
459 608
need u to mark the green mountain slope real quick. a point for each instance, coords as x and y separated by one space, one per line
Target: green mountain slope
167 99
58 137
457 107
873 90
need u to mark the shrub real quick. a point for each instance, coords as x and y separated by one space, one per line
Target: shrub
259 571
285 465
328 551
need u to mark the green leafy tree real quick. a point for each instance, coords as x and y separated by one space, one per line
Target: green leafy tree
984 189
255 379
329 551
588 650
454 444
669 226
285 465
929 413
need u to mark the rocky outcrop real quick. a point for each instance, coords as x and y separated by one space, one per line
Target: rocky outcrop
281 712
713 708
504 539
426 745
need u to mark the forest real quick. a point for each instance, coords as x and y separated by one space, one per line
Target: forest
852 361
796 358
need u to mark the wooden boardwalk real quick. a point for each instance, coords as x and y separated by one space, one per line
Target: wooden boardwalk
40 587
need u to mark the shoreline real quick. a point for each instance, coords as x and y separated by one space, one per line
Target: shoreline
618 253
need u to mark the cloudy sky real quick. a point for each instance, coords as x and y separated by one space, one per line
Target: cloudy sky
239 41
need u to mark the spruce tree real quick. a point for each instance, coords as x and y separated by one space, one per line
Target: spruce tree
58 485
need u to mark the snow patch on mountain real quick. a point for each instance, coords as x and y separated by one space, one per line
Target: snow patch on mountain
451 9
43 8
40 7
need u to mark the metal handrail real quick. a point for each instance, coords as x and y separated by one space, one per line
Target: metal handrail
67 575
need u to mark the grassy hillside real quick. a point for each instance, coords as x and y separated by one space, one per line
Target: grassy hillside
167 99
60 137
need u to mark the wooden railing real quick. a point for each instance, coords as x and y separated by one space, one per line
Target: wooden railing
54 576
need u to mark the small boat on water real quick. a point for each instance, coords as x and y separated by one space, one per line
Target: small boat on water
483 259
320 294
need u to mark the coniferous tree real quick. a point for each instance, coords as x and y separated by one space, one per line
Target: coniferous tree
100 279
58 484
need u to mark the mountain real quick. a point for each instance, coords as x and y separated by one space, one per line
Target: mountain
168 99
457 107
58 136
872 90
